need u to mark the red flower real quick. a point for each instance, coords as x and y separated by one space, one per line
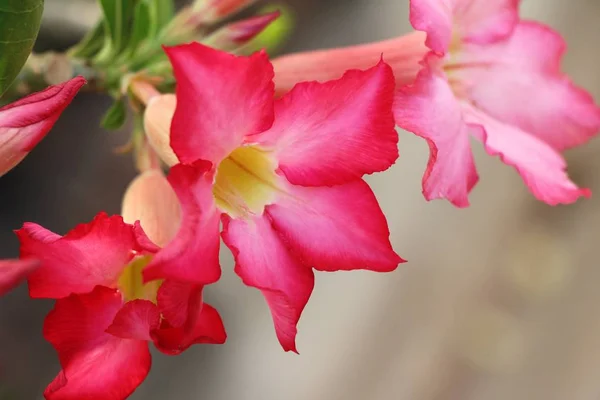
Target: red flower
105 315
497 79
284 176
27 121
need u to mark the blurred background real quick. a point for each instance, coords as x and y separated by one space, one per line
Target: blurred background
498 301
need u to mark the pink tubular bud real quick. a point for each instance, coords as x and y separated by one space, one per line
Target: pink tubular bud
24 123
236 34
403 54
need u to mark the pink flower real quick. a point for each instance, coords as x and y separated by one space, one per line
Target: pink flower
284 176
495 78
24 123
105 315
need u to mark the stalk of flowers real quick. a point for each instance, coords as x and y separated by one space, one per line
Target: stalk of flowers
283 176
487 74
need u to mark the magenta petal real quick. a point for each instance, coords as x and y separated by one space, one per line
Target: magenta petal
25 122
135 320
91 254
542 168
264 262
335 228
96 365
13 272
429 109
334 132
179 302
207 328
193 255
221 98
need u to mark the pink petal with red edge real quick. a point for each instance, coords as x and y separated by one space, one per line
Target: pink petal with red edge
221 98
13 272
207 329
135 320
541 167
25 122
193 255
91 254
335 228
526 67
96 365
332 133
263 261
179 301
435 17
429 109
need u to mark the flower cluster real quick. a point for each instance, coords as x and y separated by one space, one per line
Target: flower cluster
271 160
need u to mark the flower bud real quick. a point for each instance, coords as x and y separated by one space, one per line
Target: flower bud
24 123
151 200
403 54
215 10
236 34
157 124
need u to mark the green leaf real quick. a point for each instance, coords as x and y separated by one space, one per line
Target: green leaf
91 43
117 22
166 12
116 115
19 25
150 17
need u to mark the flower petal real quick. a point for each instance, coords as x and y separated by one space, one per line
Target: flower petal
179 302
25 122
429 109
480 21
152 201
221 99
348 123
335 228
193 255
435 17
13 272
91 254
96 365
207 329
541 167
527 66
135 320
263 261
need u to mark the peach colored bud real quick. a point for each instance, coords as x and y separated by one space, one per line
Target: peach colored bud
151 200
157 124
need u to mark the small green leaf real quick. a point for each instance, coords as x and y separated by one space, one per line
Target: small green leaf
116 115
19 25
165 10
150 17
117 22
91 43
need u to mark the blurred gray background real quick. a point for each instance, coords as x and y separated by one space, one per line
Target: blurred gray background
498 301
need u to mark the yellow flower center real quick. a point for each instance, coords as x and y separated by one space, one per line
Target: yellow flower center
131 283
246 182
